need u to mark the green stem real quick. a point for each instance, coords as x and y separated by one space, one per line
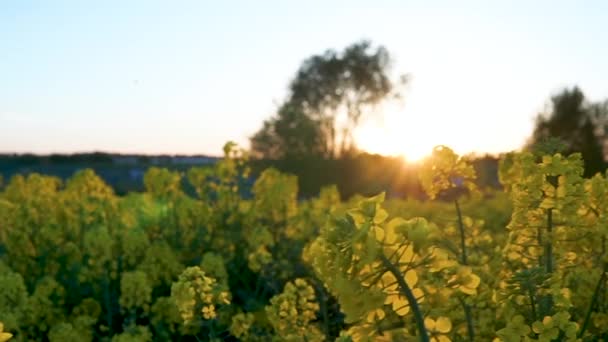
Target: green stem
462 237
548 245
532 304
411 299
211 330
469 317
463 248
545 303
539 239
108 303
603 248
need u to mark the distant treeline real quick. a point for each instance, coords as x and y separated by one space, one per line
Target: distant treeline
367 174
364 174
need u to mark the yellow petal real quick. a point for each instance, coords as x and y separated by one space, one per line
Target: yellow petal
443 338
390 298
440 260
408 254
401 306
418 294
443 325
391 237
474 281
4 336
381 215
411 278
389 282
394 223
429 323
468 290
379 234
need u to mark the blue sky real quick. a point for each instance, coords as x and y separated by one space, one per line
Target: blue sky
186 76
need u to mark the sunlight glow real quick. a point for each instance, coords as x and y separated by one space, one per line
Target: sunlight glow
388 141
393 134
412 129
422 121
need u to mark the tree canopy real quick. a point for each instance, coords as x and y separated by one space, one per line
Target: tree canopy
579 124
289 134
327 99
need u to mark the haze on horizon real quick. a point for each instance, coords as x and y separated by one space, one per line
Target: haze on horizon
184 77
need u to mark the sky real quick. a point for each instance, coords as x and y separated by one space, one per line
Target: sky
184 77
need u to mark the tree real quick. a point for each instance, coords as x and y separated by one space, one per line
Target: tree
579 125
329 87
291 134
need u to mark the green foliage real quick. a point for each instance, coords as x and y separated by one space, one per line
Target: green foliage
275 195
78 330
134 334
13 298
79 263
135 291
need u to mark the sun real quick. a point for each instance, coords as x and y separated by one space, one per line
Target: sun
406 131
411 144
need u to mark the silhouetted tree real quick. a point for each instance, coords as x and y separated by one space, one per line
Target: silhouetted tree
328 86
578 124
290 134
